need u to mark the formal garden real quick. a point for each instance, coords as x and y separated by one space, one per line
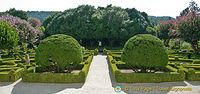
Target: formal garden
61 48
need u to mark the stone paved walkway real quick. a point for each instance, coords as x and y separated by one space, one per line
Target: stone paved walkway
98 79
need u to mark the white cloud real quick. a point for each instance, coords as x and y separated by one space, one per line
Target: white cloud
152 7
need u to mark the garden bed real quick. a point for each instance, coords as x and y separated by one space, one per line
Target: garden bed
33 75
169 76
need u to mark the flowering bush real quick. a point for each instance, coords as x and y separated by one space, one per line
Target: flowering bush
26 32
187 28
163 30
34 22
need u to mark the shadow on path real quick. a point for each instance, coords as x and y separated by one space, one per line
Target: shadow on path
5 83
194 83
42 88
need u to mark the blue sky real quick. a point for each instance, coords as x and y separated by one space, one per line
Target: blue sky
152 7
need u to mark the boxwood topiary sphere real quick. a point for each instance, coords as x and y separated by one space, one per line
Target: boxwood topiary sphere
60 50
145 51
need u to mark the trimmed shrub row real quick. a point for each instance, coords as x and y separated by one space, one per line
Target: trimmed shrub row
32 76
11 76
174 75
191 74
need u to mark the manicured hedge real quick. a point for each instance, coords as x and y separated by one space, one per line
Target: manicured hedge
31 76
149 77
196 62
11 77
104 51
53 77
4 77
191 74
176 75
181 59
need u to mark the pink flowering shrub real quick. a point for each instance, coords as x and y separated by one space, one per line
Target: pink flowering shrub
187 28
34 22
163 29
26 32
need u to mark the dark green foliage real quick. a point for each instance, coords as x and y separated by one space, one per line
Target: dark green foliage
114 32
48 19
8 36
152 30
89 25
140 20
17 13
145 51
60 50
78 23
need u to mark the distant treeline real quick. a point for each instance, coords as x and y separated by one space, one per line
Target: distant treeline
41 15
155 20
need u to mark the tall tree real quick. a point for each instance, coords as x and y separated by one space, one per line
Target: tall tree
17 13
163 31
192 7
140 19
115 20
8 36
75 22
187 28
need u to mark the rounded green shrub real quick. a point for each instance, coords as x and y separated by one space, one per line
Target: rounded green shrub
145 51
59 50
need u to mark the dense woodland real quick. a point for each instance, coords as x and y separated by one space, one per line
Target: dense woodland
102 19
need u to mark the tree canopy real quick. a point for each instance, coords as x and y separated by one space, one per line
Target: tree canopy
16 13
111 25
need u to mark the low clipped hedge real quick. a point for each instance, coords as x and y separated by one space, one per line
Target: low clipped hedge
31 75
191 74
175 75
149 77
181 59
11 76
